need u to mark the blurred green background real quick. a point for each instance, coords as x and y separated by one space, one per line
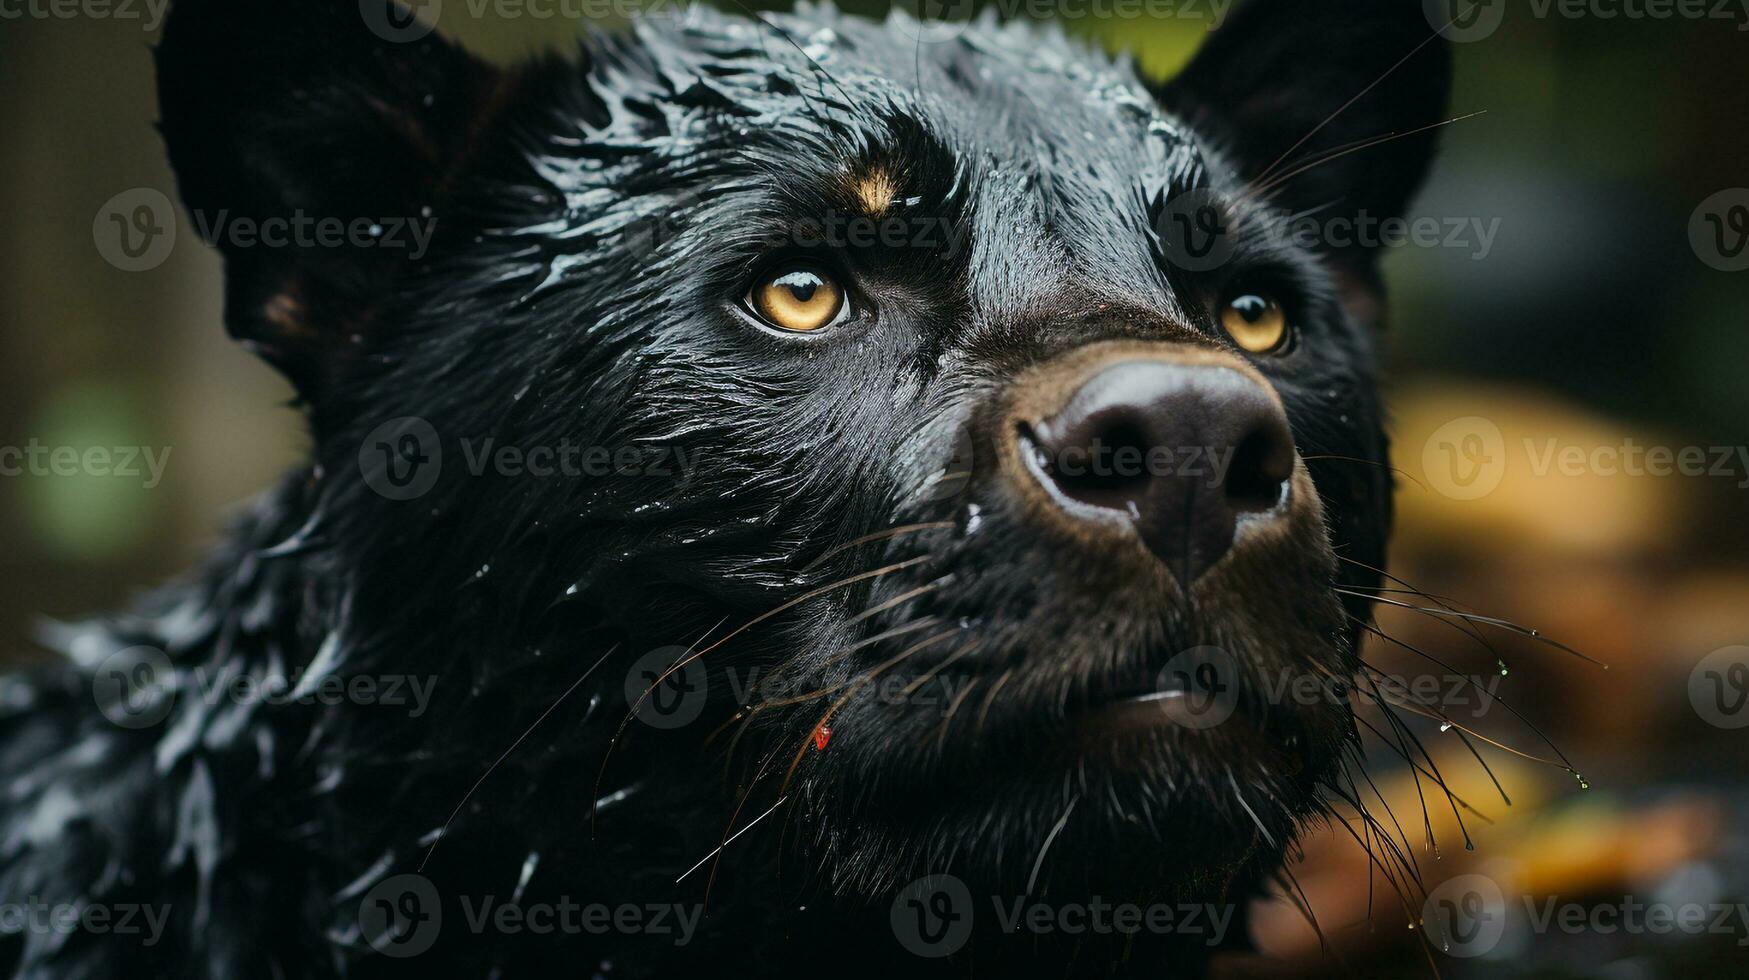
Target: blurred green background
1590 321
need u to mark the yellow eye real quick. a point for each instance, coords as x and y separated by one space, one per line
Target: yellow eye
800 299
1255 323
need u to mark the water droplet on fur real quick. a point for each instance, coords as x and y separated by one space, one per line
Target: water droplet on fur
1583 782
1502 665
481 573
1445 726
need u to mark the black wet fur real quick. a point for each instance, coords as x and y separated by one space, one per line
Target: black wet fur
597 222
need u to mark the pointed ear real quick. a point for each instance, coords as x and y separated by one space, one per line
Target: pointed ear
1285 83
312 115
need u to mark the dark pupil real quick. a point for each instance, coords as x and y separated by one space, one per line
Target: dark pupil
801 285
1251 308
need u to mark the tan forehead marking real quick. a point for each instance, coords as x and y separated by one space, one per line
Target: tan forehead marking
875 191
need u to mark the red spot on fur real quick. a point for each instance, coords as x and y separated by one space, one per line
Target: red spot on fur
822 735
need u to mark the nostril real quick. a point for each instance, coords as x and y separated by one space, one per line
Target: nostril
1102 464
1259 469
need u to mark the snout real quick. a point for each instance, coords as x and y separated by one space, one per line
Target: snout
1180 448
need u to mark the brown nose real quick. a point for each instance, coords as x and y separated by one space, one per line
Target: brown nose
1184 452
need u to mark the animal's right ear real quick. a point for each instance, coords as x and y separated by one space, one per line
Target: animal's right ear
340 118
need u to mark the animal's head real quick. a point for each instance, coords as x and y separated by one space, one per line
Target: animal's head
974 368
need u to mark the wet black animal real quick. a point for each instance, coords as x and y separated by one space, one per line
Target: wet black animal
820 477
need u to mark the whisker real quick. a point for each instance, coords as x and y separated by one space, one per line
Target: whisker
895 601
1240 796
1460 801
1039 862
1497 699
876 536
1340 152
1367 820
613 744
723 843
761 18
1467 629
719 849
989 699
930 674
506 754
1404 739
1349 104
1390 812
1463 737
838 658
1553 763
1398 471
1507 625
854 684
952 708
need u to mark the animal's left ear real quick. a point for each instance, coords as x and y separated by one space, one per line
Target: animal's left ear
344 119
1285 84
